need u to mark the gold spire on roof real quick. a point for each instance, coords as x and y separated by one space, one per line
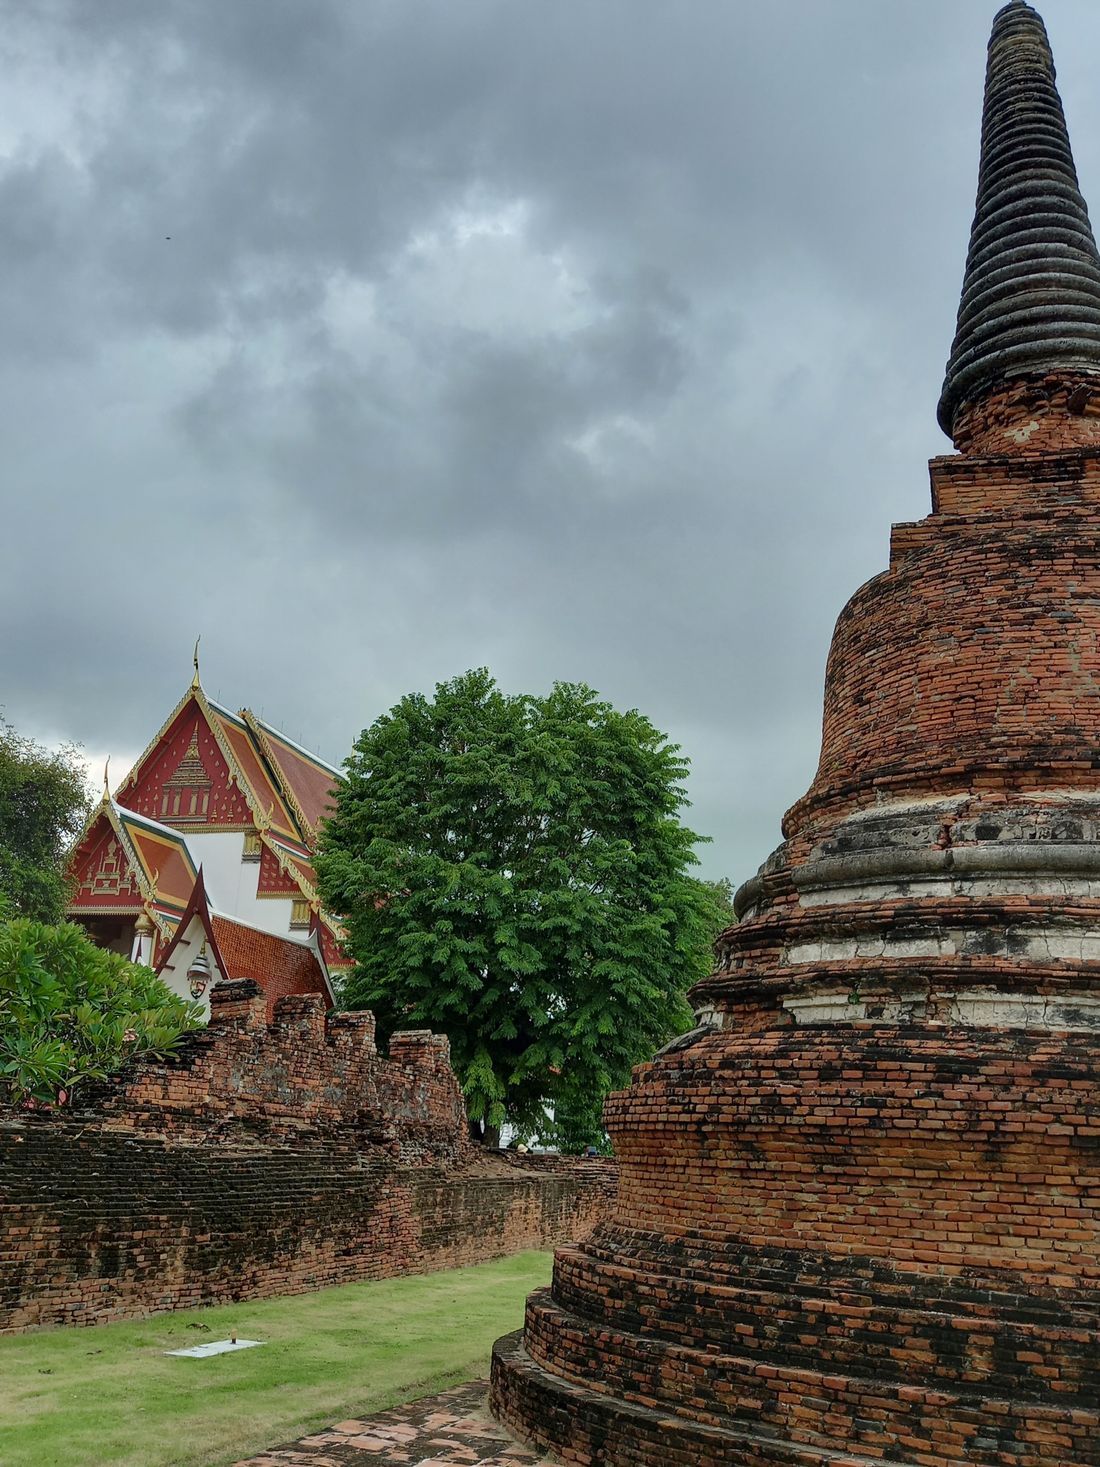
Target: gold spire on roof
195 683
106 786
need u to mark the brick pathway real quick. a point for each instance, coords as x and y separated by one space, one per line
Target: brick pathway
452 1428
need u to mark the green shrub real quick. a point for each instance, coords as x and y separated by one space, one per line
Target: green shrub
71 1012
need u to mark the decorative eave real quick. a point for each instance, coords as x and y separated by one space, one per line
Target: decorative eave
197 907
214 713
117 817
263 734
318 949
259 733
289 867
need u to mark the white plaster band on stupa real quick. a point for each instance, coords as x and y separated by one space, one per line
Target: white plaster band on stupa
1027 946
976 1008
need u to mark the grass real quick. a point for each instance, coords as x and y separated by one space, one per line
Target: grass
107 1396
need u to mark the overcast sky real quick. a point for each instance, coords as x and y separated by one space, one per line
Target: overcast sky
595 340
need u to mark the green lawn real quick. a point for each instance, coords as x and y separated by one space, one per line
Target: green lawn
108 1396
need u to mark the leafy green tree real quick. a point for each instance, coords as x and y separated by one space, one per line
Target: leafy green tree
720 894
43 803
71 1012
513 871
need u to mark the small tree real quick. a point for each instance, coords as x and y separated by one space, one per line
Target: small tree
71 1012
43 803
514 871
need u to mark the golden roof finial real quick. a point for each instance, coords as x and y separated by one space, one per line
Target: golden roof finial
195 684
106 786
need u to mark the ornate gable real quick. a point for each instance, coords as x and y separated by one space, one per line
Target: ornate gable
104 877
185 780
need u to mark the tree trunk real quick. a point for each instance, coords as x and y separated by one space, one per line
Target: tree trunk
484 1135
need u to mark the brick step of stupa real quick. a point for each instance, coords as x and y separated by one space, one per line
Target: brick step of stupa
824 1406
851 1280
990 1347
584 1426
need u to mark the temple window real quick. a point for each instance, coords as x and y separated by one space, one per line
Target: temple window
299 913
251 851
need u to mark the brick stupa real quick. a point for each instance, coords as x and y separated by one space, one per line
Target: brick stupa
859 1211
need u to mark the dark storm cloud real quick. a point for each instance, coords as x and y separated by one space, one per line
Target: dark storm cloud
376 339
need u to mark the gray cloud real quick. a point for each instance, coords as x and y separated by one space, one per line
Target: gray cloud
378 340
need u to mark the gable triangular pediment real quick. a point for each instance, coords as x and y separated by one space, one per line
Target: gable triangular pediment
105 878
185 779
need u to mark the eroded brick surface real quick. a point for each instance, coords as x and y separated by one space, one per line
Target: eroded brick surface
261 1161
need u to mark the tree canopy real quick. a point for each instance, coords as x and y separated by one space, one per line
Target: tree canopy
43 803
513 871
71 1012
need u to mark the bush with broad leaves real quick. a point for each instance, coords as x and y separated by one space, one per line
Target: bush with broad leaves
71 1012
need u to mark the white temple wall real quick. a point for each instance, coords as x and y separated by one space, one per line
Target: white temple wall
174 974
231 883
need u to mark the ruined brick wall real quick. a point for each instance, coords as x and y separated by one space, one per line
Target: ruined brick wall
304 1071
265 1161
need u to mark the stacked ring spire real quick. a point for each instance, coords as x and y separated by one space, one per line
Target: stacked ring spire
1031 292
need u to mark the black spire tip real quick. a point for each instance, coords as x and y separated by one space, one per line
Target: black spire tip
1031 294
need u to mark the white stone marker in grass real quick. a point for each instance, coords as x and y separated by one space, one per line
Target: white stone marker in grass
216 1347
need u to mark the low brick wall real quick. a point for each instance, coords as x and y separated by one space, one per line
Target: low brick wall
99 1225
266 1161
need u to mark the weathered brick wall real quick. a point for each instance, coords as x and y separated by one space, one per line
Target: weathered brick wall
970 664
303 1071
99 1225
265 1161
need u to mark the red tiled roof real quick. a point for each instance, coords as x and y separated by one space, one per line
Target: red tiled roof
309 781
279 965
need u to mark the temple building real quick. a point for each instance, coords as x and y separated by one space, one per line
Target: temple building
200 864
858 1218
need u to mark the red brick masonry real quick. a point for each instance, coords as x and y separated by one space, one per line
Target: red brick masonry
266 1160
859 1209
